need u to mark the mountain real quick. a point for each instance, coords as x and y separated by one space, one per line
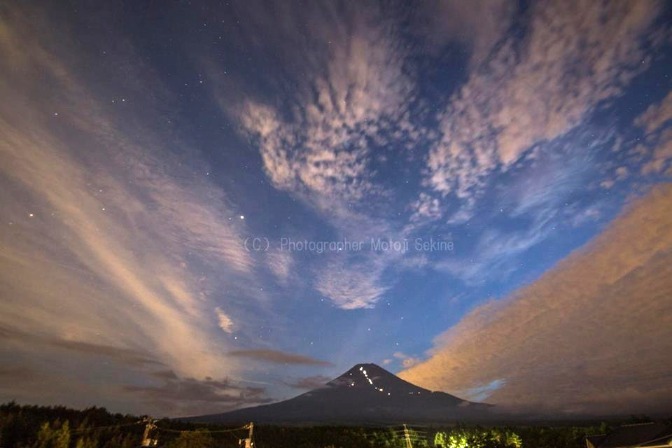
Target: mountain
365 394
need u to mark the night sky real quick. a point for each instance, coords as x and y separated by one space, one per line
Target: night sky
210 205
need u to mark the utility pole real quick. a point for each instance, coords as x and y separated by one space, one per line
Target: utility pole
249 436
248 442
149 427
407 436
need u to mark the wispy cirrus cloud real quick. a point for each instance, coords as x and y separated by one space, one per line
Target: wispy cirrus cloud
516 137
351 285
656 123
317 140
309 382
530 204
538 88
277 357
440 23
128 356
571 333
109 239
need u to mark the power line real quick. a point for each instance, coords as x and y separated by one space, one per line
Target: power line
212 431
96 428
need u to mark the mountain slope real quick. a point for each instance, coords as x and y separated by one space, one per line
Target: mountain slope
365 394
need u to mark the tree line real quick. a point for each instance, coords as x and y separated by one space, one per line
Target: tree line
26 426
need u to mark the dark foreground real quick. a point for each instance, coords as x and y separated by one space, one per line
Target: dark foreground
60 427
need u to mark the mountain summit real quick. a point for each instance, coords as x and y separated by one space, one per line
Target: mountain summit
365 394
373 378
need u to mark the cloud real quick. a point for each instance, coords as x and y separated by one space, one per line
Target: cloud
309 382
593 325
281 264
496 251
536 198
225 322
537 88
184 397
481 393
278 357
656 123
532 202
110 240
406 361
18 374
656 116
353 285
320 137
590 214
426 207
445 22
347 96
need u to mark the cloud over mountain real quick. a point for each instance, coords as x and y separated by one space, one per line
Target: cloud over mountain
595 323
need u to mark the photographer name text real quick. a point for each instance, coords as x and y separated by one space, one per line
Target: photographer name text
402 246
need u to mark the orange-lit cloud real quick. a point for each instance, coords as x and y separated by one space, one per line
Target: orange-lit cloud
590 335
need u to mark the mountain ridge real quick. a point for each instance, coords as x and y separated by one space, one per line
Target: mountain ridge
364 394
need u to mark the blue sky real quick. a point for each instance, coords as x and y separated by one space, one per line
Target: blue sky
169 173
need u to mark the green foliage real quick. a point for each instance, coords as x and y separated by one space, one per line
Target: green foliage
460 439
476 437
513 439
57 436
440 439
45 436
518 437
557 437
86 442
200 438
62 439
